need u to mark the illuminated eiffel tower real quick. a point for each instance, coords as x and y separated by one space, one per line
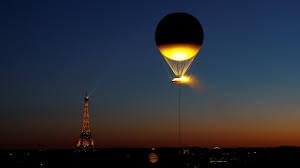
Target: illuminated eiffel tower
85 142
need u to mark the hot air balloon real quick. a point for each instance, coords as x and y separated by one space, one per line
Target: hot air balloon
179 38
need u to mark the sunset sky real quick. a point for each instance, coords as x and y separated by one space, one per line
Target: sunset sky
53 51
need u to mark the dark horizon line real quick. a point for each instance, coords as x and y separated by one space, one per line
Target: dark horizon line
160 147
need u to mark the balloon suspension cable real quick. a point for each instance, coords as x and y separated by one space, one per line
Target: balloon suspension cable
179 117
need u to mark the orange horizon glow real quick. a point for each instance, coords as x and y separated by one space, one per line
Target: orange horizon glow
203 130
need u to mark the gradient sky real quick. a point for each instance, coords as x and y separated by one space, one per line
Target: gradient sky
53 51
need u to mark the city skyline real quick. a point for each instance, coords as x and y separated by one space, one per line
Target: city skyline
53 52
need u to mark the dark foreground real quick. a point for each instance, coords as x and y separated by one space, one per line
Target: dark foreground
284 157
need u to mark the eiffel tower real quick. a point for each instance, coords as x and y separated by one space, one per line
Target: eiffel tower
85 142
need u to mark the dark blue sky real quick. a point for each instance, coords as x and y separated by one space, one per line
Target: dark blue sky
52 52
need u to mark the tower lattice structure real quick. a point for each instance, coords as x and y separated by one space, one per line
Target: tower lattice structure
85 141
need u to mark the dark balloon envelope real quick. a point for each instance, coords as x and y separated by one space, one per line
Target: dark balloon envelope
179 28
